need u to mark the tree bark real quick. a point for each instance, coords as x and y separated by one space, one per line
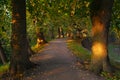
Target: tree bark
20 58
100 15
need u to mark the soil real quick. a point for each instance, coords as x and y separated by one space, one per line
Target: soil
56 62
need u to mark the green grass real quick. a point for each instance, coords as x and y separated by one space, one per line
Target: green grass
82 53
36 49
109 76
4 68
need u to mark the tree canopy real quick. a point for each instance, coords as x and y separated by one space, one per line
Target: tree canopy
49 19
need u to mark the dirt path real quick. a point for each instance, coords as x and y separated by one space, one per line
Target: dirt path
56 62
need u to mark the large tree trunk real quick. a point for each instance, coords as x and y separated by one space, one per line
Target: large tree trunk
100 16
2 55
20 57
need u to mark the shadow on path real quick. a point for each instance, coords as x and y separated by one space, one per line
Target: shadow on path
56 62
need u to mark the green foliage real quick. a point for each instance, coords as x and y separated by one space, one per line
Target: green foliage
31 30
53 14
115 24
109 76
4 68
5 25
36 48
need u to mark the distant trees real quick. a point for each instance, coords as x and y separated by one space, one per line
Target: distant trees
47 17
60 32
101 11
38 14
40 36
19 58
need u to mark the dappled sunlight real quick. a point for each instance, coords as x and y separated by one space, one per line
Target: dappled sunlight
42 57
16 46
13 21
69 40
17 15
39 42
98 49
97 27
57 41
46 57
57 70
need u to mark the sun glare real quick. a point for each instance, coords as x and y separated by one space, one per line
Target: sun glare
13 21
99 27
98 49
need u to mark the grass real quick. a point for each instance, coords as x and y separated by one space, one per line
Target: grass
82 53
4 68
36 48
109 76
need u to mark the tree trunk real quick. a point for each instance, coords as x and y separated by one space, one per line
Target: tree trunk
20 57
100 16
59 32
62 32
43 37
40 36
2 55
52 33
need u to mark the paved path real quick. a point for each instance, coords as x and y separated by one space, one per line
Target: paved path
56 62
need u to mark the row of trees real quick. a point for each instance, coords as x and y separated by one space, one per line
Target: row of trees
54 17
56 14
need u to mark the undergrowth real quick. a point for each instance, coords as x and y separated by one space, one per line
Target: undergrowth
113 76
